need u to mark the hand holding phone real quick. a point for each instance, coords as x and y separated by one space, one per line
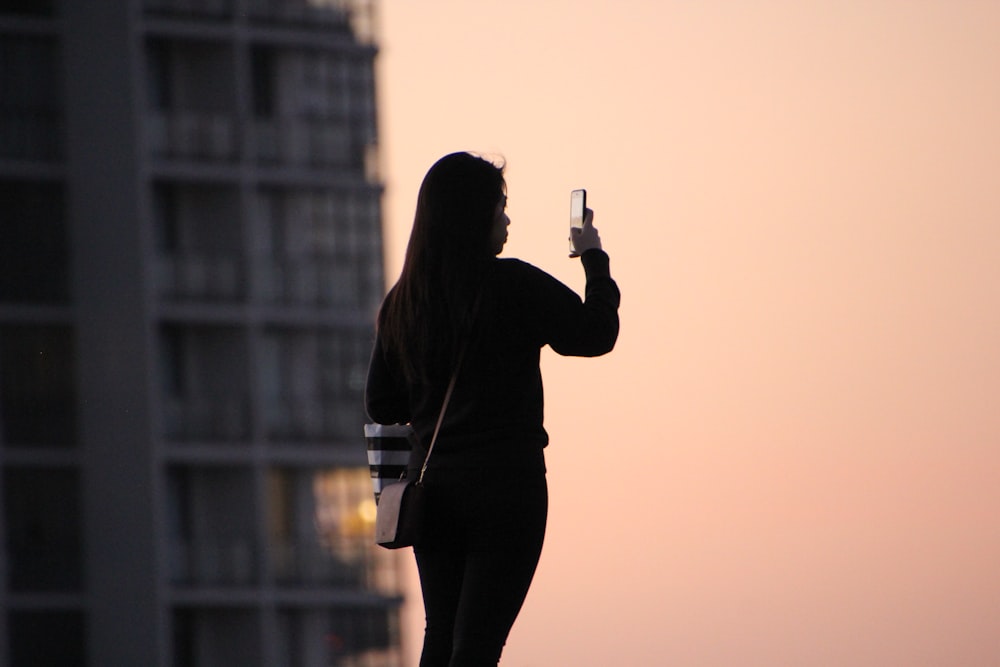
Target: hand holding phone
582 235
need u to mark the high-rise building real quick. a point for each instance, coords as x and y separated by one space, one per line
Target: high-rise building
190 262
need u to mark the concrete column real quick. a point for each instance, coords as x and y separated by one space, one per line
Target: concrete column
115 331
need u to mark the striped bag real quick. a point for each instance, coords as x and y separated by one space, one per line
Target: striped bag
389 448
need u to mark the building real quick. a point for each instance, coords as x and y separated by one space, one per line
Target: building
190 262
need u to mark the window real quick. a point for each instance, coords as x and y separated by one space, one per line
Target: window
30 7
263 75
42 514
46 638
320 527
158 75
34 253
191 90
37 396
339 637
31 104
313 383
199 242
216 636
190 76
211 526
202 374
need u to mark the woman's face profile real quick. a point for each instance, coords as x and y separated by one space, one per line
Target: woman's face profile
498 235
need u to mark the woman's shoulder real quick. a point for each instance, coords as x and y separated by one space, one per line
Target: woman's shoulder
524 280
523 275
511 266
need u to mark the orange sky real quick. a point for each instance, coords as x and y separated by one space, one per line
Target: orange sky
793 455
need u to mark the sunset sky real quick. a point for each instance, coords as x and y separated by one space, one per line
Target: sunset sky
792 458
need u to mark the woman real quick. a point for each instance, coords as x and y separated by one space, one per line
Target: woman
485 483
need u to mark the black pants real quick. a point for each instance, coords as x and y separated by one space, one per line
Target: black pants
477 557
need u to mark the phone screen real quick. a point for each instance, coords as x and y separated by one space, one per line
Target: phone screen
577 205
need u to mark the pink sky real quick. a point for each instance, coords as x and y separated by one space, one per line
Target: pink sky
793 455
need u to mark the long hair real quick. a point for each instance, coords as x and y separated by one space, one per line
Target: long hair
428 313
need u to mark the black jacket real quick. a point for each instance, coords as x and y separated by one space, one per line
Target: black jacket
495 415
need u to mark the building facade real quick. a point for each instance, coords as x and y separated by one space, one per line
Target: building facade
190 263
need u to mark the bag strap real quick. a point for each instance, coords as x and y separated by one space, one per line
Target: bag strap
451 388
437 427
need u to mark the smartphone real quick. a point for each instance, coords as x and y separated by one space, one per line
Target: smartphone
577 207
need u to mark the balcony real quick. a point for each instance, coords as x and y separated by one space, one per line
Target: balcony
199 278
203 418
308 562
305 143
352 564
192 135
190 8
213 563
310 418
313 281
328 13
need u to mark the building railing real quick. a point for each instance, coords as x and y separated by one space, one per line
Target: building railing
310 417
354 565
200 277
319 143
192 134
202 8
204 418
322 281
213 563
307 562
356 15
318 281
351 563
